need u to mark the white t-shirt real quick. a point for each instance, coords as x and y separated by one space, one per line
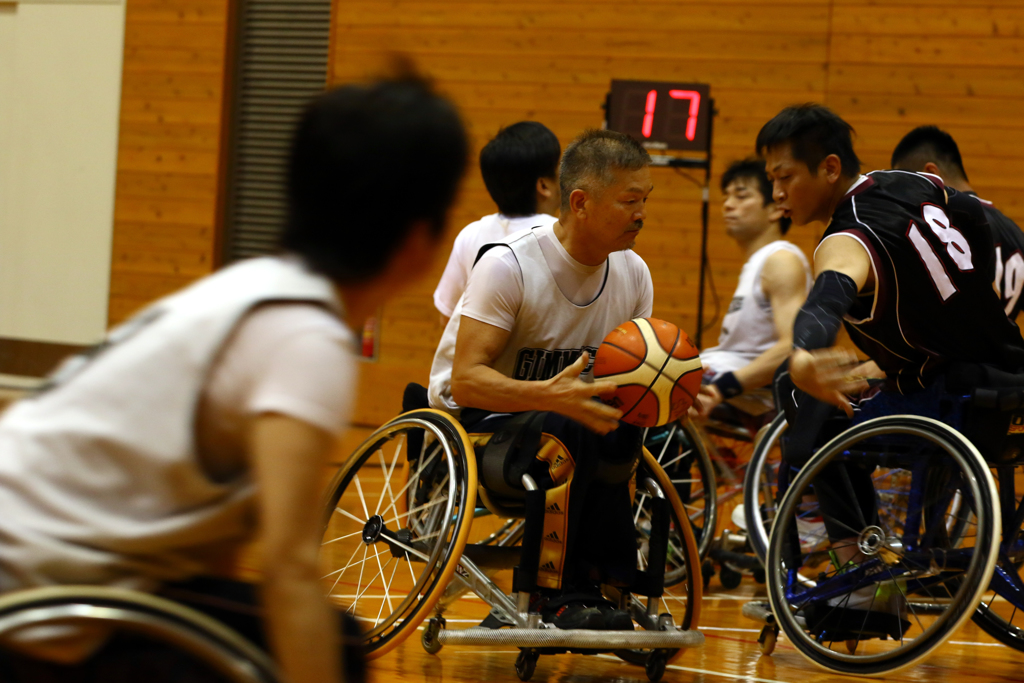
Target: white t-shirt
487 230
292 359
495 292
748 329
129 467
553 307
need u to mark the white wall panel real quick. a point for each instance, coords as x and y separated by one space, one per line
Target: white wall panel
60 81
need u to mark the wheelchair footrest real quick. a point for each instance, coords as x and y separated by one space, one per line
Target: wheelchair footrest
759 612
577 639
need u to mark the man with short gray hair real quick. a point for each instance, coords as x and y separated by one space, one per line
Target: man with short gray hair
522 338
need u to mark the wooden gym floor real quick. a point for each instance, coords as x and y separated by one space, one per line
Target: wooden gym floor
730 651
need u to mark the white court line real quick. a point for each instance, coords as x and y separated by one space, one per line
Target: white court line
967 642
726 596
707 672
723 628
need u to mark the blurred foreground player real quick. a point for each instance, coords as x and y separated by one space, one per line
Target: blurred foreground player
928 149
523 338
905 264
757 332
207 419
520 170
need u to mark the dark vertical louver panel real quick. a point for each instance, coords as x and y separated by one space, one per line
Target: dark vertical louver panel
281 62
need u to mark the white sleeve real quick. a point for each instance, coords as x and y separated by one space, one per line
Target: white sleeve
494 293
296 360
645 288
453 281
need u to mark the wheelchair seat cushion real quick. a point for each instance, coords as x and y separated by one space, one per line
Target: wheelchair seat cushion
507 456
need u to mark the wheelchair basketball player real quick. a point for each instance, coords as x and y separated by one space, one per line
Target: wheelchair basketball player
905 264
931 150
756 334
207 419
523 339
520 171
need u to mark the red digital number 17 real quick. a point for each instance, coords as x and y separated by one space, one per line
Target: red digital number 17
691 119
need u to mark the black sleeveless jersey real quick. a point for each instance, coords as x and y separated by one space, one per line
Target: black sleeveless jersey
932 255
1009 259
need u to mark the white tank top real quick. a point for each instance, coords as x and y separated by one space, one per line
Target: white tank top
99 478
550 332
748 329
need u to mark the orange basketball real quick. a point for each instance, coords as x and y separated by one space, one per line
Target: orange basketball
657 368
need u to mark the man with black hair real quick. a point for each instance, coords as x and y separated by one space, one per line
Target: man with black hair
520 345
929 149
906 265
520 171
757 332
206 420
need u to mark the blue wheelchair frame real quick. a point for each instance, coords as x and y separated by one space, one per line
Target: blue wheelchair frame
950 409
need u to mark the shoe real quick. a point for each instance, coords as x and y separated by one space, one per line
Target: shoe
739 518
811 531
870 612
576 615
615 619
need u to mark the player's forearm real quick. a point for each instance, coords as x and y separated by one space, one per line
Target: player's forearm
760 371
302 627
483 387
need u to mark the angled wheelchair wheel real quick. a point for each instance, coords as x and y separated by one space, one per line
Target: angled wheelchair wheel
396 520
680 604
681 451
891 579
1001 612
760 486
100 610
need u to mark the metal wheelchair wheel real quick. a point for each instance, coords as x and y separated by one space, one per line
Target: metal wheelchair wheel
1001 612
761 492
680 450
898 584
681 602
396 523
760 486
105 608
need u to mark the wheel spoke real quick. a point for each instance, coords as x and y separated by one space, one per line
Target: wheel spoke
415 552
387 473
362 498
426 462
342 538
359 581
387 592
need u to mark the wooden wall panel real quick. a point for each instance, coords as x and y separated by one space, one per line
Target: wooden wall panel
956 65
509 61
885 65
169 156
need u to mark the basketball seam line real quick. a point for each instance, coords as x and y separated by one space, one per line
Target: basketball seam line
668 357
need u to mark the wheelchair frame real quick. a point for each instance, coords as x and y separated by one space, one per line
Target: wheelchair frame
993 562
456 568
207 639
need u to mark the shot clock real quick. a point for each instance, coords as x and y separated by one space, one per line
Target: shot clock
662 115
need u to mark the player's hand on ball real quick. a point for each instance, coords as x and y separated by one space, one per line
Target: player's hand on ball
572 397
708 398
829 375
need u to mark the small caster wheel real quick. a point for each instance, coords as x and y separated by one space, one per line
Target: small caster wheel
526 664
431 643
730 578
769 636
759 575
851 646
707 570
655 666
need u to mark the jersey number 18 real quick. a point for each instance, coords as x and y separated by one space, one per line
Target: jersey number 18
957 246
